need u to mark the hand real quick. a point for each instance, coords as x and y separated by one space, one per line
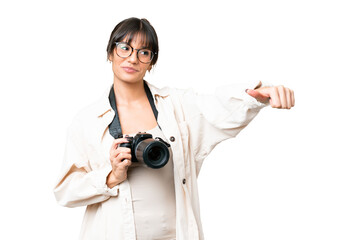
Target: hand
278 97
120 158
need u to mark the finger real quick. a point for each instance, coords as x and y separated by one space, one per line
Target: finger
122 150
116 142
282 96
116 152
288 98
261 97
121 157
292 98
126 163
274 98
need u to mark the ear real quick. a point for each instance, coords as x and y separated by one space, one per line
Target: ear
110 57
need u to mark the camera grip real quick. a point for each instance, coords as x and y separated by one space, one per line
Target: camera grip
127 145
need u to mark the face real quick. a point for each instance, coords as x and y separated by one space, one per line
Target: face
129 69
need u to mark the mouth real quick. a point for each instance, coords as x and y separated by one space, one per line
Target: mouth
130 69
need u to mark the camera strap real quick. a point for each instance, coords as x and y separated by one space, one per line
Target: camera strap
114 126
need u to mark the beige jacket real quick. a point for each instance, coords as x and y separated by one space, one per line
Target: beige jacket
196 123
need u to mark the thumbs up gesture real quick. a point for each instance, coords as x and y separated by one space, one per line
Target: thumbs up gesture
278 96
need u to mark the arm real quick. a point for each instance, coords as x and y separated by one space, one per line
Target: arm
210 119
79 184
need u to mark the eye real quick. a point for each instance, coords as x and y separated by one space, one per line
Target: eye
145 52
124 47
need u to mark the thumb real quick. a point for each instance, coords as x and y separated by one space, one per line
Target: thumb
264 98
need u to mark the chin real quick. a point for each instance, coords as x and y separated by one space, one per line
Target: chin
129 79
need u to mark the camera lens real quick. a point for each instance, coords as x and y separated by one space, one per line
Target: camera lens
154 154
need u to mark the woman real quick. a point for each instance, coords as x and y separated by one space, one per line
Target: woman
137 202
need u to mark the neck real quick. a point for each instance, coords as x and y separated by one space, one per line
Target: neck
127 93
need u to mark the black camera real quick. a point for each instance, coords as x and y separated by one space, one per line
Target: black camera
153 153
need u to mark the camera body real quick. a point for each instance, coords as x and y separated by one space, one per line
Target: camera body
153 153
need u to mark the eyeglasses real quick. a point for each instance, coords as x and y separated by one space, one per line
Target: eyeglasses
124 50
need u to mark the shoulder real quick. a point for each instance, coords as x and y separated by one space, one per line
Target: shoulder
172 92
93 110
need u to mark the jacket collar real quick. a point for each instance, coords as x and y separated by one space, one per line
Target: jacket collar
158 92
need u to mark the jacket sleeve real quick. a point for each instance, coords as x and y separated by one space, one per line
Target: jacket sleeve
211 119
78 184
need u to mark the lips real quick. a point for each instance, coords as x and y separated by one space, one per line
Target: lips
129 69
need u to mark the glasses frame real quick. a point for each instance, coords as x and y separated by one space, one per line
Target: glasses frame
137 52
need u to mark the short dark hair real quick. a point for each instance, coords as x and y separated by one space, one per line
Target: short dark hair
129 28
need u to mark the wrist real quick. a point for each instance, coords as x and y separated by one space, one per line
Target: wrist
111 180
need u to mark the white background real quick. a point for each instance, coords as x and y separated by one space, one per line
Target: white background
289 175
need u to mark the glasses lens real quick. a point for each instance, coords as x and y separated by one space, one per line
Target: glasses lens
145 56
123 50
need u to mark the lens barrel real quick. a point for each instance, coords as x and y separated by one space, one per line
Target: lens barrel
154 154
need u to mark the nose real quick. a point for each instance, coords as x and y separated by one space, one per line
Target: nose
133 57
